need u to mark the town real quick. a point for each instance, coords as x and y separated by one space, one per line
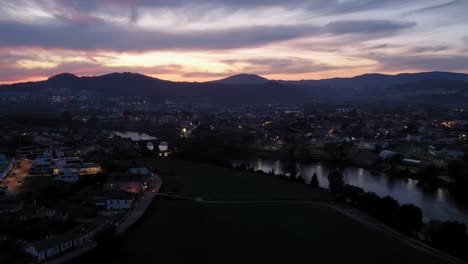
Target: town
69 176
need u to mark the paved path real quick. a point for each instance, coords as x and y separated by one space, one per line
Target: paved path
142 205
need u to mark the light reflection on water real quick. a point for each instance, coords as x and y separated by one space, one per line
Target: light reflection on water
435 205
134 136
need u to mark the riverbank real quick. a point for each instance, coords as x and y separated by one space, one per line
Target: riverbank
436 204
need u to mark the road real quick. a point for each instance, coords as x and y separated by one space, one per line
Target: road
142 205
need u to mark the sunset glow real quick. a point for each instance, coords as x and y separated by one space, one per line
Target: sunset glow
206 40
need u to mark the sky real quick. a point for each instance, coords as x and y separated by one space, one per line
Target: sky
202 40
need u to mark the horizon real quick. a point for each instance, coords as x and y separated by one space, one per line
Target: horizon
226 77
203 41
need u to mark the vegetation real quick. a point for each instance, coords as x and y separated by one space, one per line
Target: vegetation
314 182
410 219
449 236
336 182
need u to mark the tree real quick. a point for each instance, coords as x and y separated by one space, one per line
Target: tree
449 236
458 170
389 209
353 193
370 203
314 182
335 181
410 218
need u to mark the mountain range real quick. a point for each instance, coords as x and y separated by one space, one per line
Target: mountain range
249 88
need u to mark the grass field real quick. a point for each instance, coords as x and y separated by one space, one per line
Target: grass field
183 231
217 183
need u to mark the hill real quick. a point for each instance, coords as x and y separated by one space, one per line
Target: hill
248 88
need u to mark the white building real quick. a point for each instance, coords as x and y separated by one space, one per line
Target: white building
51 247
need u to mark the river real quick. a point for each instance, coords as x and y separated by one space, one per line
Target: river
438 204
135 136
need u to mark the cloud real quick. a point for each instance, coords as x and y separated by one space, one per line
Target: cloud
367 26
330 6
102 36
99 35
423 49
263 36
435 7
269 66
424 62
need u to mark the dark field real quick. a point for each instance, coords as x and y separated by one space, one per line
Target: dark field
184 231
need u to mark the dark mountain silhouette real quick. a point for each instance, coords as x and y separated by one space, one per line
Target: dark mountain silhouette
375 80
243 79
247 88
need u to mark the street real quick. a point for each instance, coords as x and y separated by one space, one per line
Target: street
142 205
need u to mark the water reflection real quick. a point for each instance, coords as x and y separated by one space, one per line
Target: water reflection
150 146
134 136
438 204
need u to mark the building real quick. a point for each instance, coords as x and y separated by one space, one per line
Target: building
42 165
115 200
412 162
56 245
366 145
446 154
124 182
83 168
5 165
454 154
388 155
67 175
139 171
